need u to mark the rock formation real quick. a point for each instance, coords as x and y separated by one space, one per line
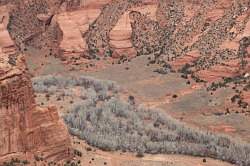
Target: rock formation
147 36
170 14
72 5
182 33
218 47
25 129
32 24
203 35
76 27
98 33
181 21
6 44
201 41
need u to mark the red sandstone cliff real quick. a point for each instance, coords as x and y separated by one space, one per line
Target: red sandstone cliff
75 26
80 26
6 44
25 129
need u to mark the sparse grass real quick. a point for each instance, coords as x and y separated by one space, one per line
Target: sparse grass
109 123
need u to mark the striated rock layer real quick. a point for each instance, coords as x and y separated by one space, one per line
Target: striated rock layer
93 27
24 127
203 35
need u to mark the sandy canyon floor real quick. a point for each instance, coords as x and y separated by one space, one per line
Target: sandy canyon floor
183 99
187 102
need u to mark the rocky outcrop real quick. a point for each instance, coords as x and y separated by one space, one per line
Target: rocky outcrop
170 14
6 44
73 25
99 31
122 35
181 34
204 35
147 36
218 47
76 34
72 5
26 128
32 24
206 40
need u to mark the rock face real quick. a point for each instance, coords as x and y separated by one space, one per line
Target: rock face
146 33
217 49
99 31
32 24
204 35
6 44
175 26
25 129
208 40
76 4
92 27
75 27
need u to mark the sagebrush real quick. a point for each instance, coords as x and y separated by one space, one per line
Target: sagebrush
104 120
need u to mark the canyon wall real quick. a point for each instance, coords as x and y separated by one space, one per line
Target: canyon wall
211 37
202 37
6 44
213 51
147 36
31 24
90 29
72 5
25 129
178 33
94 29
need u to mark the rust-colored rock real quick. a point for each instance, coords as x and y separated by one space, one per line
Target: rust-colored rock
77 32
6 44
26 128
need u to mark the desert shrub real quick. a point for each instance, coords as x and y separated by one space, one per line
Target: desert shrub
45 83
116 125
72 163
87 88
109 123
16 162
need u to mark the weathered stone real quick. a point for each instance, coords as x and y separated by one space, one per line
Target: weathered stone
25 127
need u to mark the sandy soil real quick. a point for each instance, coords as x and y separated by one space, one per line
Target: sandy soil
193 105
97 157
